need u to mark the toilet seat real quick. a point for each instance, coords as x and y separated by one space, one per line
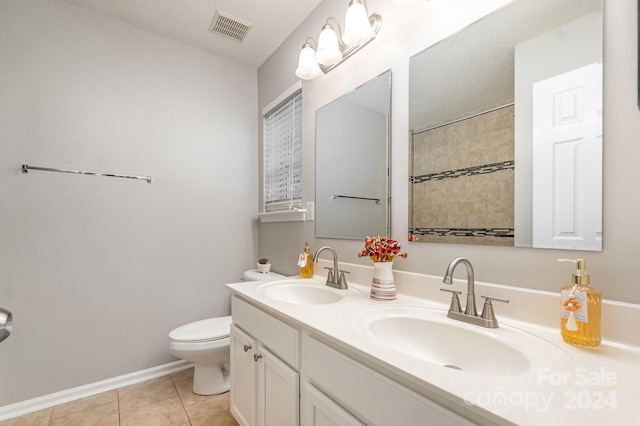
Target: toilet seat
206 330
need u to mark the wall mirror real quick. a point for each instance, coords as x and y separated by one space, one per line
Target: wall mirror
506 130
352 162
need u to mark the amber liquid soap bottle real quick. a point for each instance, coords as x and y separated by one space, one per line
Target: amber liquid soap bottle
306 262
581 309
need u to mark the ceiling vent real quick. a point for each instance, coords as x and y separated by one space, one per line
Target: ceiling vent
229 26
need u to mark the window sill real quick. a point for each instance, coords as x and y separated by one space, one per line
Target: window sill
297 215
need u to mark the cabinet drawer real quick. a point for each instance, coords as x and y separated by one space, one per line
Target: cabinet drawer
368 395
280 338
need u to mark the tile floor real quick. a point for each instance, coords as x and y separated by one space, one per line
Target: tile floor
165 401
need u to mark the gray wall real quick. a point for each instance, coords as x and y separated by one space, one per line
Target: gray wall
406 31
98 270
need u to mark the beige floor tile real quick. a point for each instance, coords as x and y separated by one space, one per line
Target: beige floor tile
185 390
84 403
213 411
167 401
39 418
146 393
101 415
183 376
168 412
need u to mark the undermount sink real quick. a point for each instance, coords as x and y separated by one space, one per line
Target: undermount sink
303 292
428 335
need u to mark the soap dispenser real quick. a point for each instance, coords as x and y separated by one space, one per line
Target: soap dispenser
305 262
581 309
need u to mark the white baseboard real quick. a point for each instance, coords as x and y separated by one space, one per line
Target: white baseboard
57 398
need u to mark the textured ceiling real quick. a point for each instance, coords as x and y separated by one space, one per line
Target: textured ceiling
188 21
474 69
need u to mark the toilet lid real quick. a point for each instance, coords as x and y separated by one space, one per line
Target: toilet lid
203 330
255 275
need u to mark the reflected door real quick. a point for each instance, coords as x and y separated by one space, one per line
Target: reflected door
567 160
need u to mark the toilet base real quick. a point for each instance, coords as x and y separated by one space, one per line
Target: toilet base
210 379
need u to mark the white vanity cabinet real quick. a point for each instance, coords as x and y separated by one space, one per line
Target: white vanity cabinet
283 375
264 362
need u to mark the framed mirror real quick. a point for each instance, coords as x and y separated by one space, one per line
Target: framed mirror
352 162
506 130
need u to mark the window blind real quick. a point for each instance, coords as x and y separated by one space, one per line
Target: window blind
283 155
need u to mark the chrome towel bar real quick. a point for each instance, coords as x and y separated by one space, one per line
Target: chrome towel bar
334 196
26 168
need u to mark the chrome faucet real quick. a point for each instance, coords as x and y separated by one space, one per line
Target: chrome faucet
335 277
470 315
470 309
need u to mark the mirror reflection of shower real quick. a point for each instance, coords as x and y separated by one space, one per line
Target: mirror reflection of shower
6 323
544 190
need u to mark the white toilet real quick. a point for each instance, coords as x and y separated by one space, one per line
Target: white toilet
206 344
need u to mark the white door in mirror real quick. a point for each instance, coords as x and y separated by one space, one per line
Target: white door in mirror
567 160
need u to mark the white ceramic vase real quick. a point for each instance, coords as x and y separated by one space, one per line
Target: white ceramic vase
383 286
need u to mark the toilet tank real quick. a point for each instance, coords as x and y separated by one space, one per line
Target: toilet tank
254 275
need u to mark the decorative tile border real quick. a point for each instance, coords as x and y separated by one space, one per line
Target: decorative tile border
464 232
468 171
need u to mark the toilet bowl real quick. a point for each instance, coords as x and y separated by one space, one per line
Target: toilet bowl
205 343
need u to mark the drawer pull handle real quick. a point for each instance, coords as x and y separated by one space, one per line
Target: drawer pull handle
247 347
256 357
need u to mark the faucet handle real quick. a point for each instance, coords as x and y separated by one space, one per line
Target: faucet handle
455 301
342 281
330 274
487 310
497 299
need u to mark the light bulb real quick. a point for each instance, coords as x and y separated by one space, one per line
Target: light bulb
358 29
328 52
308 68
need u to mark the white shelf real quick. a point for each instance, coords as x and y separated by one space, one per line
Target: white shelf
296 215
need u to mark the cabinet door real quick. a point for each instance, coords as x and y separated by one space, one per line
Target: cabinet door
278 392
319 410
243 377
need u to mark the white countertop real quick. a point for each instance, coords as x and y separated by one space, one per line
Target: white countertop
565 384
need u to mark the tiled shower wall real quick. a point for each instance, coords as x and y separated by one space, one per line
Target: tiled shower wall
462 181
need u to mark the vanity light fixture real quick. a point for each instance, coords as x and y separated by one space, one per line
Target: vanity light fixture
308 67
334 47
357 27
328 52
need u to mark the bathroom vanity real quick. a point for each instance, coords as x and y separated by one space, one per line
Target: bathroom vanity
278 368
304 353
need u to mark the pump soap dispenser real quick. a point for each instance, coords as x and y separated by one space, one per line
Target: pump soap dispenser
305 262
581 307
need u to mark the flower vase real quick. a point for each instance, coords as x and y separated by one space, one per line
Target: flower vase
383 286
